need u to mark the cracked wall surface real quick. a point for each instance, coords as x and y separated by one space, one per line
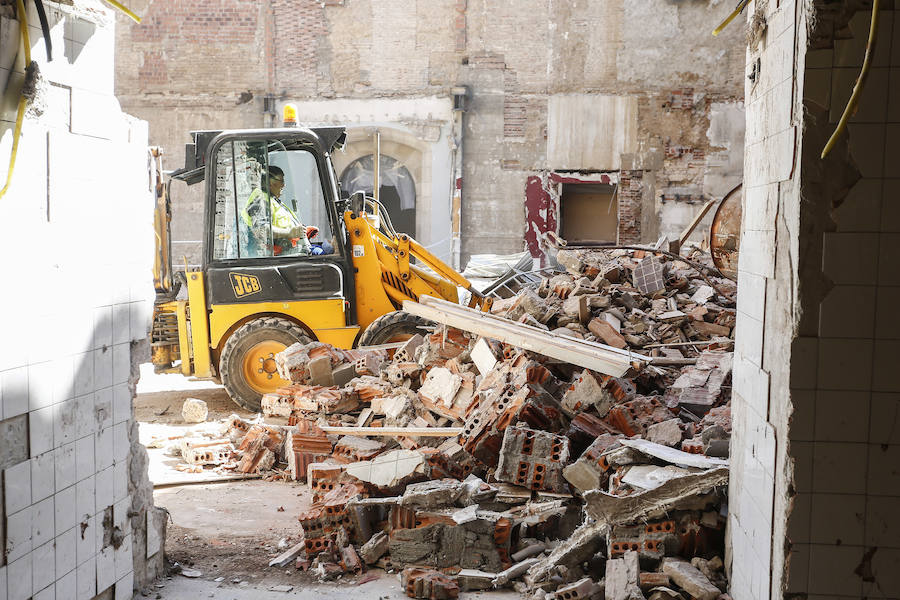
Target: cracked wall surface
76 236
812 510
589 86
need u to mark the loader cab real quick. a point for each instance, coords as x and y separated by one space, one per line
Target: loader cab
260 289
246 261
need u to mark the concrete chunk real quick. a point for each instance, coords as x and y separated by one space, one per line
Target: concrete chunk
194 410
320 371
388 469
623 577
288 555
473 579
584 392
483 357
375 548
667 433
689 578
514 572
441 386
432 494
614 510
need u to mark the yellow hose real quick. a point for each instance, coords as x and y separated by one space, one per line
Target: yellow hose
20 114
850 109
124 9
730 17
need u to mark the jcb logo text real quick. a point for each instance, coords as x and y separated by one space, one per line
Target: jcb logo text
244 285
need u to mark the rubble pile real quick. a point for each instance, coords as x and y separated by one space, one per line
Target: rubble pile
630 299
463 463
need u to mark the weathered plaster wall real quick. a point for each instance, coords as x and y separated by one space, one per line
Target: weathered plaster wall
78 517
679 88
815 486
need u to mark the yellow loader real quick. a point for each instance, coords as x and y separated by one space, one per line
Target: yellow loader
250 299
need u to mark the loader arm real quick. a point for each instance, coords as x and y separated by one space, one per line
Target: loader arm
385 277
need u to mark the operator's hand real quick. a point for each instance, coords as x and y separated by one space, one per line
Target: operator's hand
311 232
298 231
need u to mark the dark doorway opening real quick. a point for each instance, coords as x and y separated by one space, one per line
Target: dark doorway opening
589 213
397 191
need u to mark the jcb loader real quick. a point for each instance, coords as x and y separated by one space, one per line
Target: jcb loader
250 300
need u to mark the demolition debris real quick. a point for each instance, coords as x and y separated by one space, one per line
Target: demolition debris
572 443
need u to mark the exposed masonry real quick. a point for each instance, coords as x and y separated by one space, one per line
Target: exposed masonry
682 143
77 518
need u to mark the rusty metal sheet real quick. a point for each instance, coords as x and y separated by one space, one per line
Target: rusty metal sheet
725 233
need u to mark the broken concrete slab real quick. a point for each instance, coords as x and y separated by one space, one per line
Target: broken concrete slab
319 369
667 433
671 455
289 555
483 357
441 385
613 510
580 546
389 469
650 477
432 494
375 548
585 391
514 572
689 578
473 579
622 578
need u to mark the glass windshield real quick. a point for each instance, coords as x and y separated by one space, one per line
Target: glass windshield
269 202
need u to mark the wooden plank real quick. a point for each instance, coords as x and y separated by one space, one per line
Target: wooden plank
394 431
592 355
694 222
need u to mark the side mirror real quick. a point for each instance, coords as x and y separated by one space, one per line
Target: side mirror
357 202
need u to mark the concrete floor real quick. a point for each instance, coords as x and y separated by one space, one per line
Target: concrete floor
228 531
386 587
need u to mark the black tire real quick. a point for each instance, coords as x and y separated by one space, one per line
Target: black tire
394 326
242 342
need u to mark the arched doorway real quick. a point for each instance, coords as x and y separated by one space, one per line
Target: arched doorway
397 190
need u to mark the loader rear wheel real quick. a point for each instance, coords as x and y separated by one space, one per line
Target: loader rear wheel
247 366
397 326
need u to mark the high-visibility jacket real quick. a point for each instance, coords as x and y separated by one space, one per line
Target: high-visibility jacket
257 220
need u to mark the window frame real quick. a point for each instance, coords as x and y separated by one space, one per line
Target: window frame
327 181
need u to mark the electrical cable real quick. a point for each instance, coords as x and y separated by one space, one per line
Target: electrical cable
124 9
850 109
20 114
731 17
45 28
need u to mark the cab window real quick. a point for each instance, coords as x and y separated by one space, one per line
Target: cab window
269 202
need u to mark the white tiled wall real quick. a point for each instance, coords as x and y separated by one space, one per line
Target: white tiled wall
835 468
757 441
855 476
75 235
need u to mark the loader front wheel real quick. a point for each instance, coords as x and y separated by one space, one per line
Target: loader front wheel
247 366
397 326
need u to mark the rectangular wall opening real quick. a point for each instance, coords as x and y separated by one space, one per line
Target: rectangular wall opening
589 212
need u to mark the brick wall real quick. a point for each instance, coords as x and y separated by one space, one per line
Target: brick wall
630 197
514 61
299 30
76 504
